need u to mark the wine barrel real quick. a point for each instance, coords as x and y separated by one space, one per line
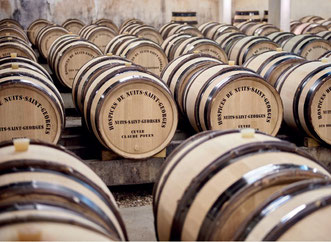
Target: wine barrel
310 19
311 28
100 36
305 91
270 65
59 43
178 72
306 207
165 29
9 47
9 31
85 76
214 32
127 28
244 26
70 57
325 22
242 16
147 32
203 45
184 29
4 39
261 29
185 18
204 28
226 40
249 46
233 173
326 56
44 185
73 25
8 62
130 111
34 29
216 99
46 36
108 23
39 111
116 42
131 21
280 37
325 35
145 53
172 42
10 22
308 46
86 28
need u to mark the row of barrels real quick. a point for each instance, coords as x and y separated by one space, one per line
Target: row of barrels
244 185
216 96
310 24
304 87
14 41
49 194
30 104
128 109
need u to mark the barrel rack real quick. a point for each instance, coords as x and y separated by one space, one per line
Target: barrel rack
115 170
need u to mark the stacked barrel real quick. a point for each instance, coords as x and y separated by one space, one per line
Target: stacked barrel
128 109
30 104
243 186
47 193
214 95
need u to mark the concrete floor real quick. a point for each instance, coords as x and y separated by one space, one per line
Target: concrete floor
139 223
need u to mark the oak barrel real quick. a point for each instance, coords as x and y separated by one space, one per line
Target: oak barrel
46 36
226 40
10 31
70 57
108 23
325 35
178 72
145 53
216 98
308 46
185 18
270 65
310 19
85 76
130 111
39 111
203 45
305 91
261 29
73 25
34 29
249 46
308 28
51 194
301 216
172 42
100 36
165 29
233 173
11 47
280 37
